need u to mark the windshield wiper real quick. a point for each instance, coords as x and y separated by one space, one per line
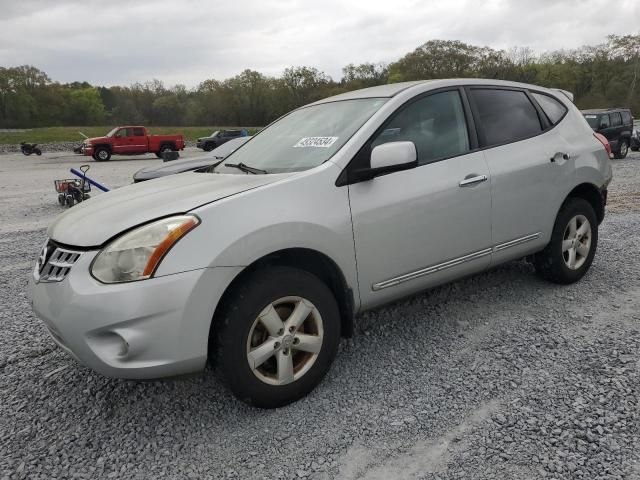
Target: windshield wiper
245 168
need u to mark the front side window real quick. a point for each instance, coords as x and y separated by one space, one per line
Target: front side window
124 132
616 119
435 124
553 109
305 138
505 115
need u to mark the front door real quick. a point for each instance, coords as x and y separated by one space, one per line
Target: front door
417 228
123 141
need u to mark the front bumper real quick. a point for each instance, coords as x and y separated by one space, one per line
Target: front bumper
87 150
148 329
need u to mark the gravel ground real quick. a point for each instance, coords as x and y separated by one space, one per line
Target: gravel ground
497 376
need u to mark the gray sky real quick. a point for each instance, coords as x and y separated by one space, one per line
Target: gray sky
119 42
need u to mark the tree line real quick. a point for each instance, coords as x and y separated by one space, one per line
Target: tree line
598 75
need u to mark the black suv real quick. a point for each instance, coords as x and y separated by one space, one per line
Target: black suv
614 123
217 138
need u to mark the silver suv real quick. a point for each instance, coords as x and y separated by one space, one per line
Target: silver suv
260 264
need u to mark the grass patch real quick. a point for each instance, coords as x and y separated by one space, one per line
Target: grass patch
70 134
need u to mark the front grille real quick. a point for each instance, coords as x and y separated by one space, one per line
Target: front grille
54 263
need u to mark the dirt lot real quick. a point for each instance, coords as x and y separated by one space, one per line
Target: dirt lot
497 376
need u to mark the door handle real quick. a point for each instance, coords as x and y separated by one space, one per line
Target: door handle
469 180
565 156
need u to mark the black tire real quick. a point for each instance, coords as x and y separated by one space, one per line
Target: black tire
551 263
61 199
622 150
208 147
166 148
38 151
26 152
102 154
233 324
158 154
68 201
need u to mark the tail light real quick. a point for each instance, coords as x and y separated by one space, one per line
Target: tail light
605 143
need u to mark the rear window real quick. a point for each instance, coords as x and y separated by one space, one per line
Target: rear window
616 119
505 115
626 117
553 109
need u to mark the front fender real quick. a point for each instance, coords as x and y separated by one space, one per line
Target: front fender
306 210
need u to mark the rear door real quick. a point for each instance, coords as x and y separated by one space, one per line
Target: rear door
616 128
529 164
422 227
138 142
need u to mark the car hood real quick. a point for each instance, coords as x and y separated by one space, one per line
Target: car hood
96 139
93 222
176 166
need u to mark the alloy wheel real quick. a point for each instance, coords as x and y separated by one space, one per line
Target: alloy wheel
576 242
285 340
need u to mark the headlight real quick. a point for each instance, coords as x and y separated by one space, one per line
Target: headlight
136 254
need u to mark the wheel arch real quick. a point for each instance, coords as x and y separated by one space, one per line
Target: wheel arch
591 194
169 143
103 145
306 259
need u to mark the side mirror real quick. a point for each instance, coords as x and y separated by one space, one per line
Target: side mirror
393 155
387 158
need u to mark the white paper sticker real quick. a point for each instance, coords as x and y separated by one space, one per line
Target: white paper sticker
590 116
321 142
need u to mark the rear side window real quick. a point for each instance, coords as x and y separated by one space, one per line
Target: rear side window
553 109
616 119
138 132
505 115
626 118
435 124
604 121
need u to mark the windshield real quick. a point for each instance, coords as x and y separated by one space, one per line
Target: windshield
112 132
228 147
304 138
592 120
215 132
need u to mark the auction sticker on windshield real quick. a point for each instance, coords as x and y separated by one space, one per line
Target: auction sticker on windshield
322 142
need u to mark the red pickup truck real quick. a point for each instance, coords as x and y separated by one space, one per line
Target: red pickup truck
130 140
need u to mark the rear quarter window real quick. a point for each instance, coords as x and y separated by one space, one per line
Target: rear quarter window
505 115
553 108
626 118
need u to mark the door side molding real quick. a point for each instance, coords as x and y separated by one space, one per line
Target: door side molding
392 282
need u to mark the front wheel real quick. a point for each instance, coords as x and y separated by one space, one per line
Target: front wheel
573 243
102 154
276 336
38 151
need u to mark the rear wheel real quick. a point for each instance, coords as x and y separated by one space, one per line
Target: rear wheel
573 243
624 149
38 151
102 154
276 336
158 154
